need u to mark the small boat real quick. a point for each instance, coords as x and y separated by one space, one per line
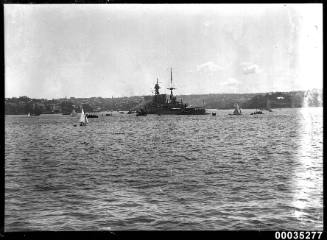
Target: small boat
73 113
256 112
108 114
237 110
213 114
83 119
141 112
28 115
92 115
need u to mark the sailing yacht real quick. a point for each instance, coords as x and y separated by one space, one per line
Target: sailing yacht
237 110
83 119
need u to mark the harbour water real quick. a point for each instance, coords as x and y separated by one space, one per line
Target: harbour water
122 172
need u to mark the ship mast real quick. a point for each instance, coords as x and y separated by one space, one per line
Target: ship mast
156 88
171 84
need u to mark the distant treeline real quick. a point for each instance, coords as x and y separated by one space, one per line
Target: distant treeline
294 99
25 105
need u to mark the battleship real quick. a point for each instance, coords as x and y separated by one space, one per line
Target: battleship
163 104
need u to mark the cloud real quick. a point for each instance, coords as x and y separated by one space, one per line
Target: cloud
231 82
208 67
250 68
230 85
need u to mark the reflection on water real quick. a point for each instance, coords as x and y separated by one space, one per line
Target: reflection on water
307 174
125 172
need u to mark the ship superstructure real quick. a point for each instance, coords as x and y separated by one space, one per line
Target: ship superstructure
162 104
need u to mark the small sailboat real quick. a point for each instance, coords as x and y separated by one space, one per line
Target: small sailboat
237 110
83 119
28 115
268 106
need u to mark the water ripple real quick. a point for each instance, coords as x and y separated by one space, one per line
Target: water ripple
165 172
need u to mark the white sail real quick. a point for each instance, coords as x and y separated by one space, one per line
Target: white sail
86 120
237 109
28 115
82 118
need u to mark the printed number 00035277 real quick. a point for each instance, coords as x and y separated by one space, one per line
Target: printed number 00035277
298 235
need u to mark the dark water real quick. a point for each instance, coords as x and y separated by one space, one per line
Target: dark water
125 172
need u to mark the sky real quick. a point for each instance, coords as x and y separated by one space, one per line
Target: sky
105 50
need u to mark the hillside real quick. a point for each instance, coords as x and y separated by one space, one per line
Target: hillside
24 105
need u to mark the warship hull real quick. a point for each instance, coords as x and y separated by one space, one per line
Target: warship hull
172 111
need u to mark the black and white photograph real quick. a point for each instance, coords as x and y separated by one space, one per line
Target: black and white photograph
124 117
